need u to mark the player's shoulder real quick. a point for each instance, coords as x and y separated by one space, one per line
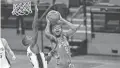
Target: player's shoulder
3 40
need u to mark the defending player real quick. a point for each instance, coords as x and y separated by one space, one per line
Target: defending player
4 50
36 57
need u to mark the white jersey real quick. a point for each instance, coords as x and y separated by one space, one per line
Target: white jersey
3 60
34 59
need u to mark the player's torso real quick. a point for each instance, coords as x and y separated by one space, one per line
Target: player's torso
62 41
63 47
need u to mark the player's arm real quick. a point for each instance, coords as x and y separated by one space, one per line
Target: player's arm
8 49
35 27
72 31
52 52
69 24
47 32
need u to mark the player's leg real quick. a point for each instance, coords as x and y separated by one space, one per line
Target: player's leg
62 64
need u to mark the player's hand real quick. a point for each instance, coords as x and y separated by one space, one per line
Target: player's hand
14 57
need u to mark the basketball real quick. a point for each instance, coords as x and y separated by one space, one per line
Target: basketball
53 15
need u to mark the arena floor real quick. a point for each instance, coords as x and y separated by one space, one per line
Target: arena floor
86 61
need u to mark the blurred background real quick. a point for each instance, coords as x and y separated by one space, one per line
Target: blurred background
96 43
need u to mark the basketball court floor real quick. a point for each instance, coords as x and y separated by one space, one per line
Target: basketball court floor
86 61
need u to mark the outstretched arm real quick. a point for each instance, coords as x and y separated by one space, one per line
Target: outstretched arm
70 25
35 27
72 31
47 32
8 49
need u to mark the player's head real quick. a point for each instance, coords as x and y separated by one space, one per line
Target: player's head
26 40
57 30
53 16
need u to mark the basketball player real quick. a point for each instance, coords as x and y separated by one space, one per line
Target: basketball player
4 50
36 57
59 41
54 18
63 54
